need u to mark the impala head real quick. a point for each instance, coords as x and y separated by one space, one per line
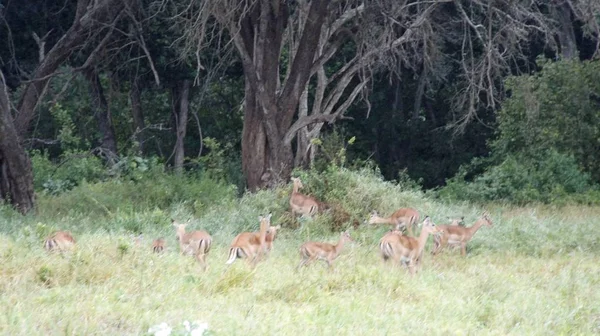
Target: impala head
179 227
265 219
297 182
486 219
346 236
373 217
429 226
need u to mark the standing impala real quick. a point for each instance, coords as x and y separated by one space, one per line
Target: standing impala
59 241
252 245
301 204
311 251
195 243
455 235
404 249
401 218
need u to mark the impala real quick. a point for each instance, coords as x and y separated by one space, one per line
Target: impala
455 235
404 249
158 245
252 245
59 241
195 243
311 251
401 218
301 204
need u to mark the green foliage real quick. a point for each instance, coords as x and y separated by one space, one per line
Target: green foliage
548 177
548 136
557 108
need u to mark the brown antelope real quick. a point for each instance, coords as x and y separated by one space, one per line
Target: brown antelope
158 245
252 245
455 235
300 203
195 243
404 249
311 251
59 241
401 218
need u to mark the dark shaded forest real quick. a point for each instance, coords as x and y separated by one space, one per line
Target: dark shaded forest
480 100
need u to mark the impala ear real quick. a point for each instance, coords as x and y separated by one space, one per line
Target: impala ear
260 218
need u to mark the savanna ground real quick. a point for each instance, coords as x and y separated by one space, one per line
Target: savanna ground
536 271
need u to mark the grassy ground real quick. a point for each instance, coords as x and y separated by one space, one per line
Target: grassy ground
535 272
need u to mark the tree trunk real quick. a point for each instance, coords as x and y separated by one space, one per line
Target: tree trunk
137 114
181 109
566 34
16 176
108 143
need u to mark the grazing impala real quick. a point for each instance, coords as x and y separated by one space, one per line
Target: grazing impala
252 245
301 204
311 251
455 235
195 243
59 241
402 218
404 249
158 245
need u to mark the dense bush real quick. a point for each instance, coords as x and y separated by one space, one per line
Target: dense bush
547 140
548 177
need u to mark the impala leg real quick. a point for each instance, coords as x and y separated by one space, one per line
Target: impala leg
463 249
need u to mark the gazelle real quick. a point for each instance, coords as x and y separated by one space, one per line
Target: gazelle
455 235
401 218
251 245
158 245
195 243
311 251
302 204
405 249
59 241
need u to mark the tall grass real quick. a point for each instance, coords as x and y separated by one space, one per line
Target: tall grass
534 272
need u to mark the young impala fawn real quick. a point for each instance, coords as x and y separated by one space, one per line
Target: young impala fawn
195 243
270 237
301 204
59 241
252 245
311 251
455 235
404 249
401 218
158 245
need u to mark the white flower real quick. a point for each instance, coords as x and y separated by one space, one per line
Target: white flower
162 329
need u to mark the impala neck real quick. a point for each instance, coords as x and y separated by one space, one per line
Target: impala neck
423 239
475 227
339 246
295 188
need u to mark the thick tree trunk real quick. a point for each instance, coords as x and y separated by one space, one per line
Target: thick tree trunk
255 163
566 33
108 143
137 114
16 176
181 106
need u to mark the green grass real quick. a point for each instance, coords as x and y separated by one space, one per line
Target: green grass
535 272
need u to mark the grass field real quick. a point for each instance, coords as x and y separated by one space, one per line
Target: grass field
536 272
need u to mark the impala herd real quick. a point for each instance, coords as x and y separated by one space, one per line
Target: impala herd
400 248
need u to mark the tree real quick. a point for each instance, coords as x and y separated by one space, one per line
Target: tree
16 176
325 52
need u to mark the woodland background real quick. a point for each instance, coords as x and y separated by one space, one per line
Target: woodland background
472 100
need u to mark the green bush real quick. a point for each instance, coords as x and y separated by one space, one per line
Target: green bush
74 167
547 177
